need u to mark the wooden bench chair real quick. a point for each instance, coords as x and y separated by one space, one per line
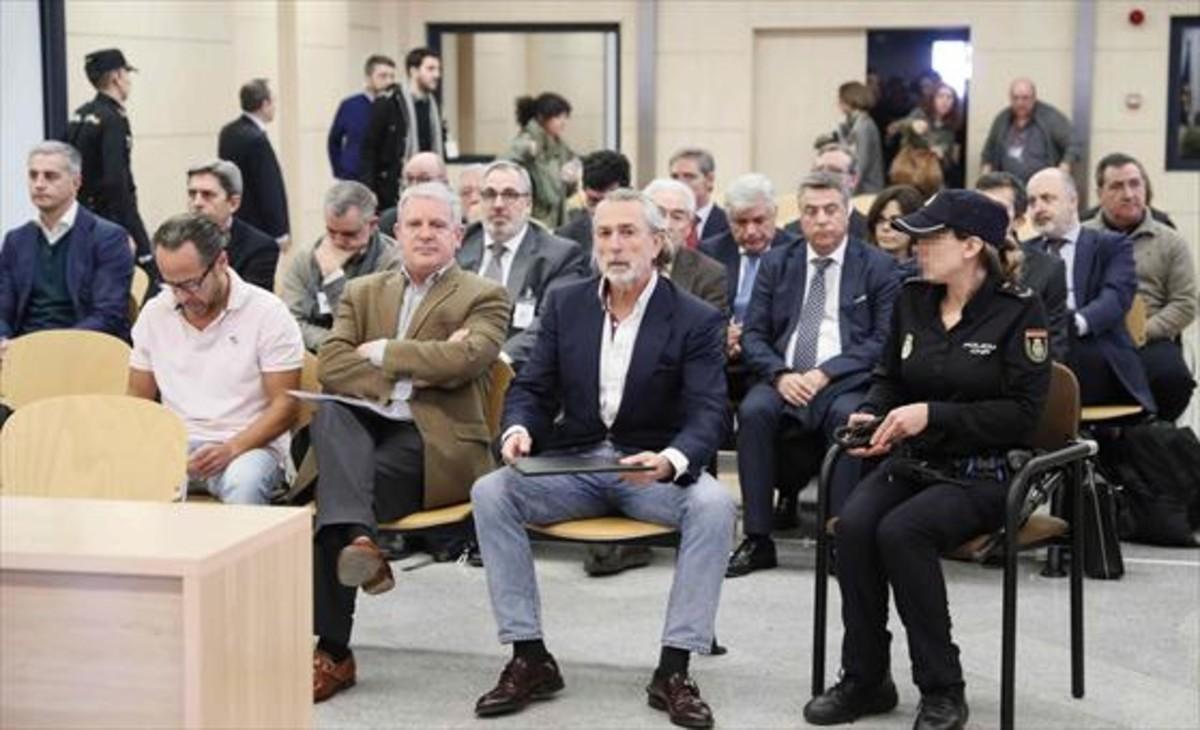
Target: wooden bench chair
63 362
65 447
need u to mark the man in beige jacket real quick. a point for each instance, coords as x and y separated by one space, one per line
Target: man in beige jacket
408 358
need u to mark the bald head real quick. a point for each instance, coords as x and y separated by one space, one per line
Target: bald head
1022 96
1053 202
424 167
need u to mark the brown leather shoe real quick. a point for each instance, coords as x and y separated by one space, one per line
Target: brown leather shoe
330 677
679 697
361 564
521 682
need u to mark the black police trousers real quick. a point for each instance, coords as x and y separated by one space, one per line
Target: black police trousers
892 531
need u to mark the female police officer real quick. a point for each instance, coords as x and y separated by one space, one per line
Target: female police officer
962 380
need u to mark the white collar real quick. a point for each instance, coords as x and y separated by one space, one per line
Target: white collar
511 244
838 254
1072 234
257 122
65 224
643 299
430 280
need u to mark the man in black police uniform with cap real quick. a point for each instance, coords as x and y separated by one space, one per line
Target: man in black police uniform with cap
100 131
962 380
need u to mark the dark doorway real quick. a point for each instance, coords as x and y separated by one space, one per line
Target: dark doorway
905 69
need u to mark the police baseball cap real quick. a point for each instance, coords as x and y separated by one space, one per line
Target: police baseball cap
965 211
97 63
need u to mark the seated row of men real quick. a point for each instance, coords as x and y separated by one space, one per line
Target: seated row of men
1090 271
409 349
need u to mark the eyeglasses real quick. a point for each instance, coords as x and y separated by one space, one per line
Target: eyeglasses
420 178
191 286
508 195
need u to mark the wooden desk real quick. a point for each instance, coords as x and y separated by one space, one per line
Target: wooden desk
140 614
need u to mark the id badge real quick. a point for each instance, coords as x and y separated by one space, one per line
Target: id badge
323 304
523 313
1016 151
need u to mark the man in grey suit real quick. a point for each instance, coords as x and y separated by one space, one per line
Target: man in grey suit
508 248
1044 274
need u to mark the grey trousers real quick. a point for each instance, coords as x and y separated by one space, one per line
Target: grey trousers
371 471
504 501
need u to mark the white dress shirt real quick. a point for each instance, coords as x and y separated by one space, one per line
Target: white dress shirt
60 229
829 337
510 252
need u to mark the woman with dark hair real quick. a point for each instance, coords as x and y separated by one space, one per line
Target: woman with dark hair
962 380
892 203
859 133
939 122
540 148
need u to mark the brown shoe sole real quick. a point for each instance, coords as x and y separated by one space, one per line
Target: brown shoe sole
360 569
344 685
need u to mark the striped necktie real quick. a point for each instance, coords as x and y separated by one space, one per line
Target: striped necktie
804 356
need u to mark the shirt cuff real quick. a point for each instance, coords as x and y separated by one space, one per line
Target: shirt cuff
333 276
374 350
1081 325
512 430
402 390
677 459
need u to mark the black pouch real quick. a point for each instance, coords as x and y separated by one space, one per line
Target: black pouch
1101 542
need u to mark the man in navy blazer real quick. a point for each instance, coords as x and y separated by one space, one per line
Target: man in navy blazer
67 269
244 142
818 319
1101 282
627 368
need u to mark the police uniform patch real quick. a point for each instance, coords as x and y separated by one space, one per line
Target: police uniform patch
906 348
1036 345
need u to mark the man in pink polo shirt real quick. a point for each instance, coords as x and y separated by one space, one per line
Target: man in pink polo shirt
223 354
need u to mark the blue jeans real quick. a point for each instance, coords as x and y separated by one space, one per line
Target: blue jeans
250 478
504 501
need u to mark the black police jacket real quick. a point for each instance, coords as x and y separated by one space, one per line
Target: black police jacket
985 379
100 131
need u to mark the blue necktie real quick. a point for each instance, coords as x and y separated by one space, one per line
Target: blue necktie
742 301
804 356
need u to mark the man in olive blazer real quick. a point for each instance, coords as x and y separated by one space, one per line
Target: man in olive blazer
408 359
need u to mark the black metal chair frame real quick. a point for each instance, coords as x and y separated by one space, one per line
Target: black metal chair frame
1070 458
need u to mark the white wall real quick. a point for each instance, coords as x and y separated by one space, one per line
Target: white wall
20 105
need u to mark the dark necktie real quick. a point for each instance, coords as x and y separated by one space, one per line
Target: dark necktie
804 356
